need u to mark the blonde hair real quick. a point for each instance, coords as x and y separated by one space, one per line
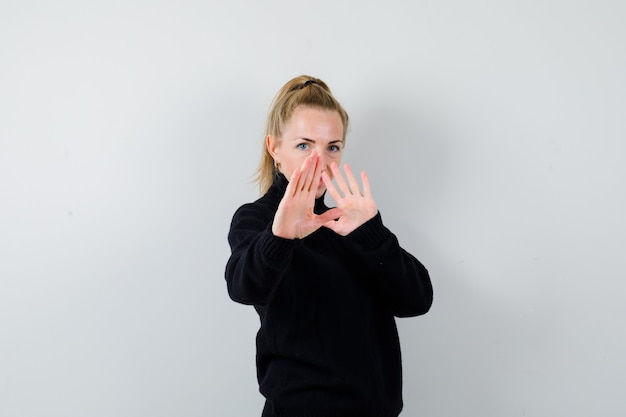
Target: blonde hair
300 91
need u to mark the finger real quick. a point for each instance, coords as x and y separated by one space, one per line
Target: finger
304 171
292 186
310 174
317 175
329 219
331 215
354 185
343 187
334 226
367 191
330 187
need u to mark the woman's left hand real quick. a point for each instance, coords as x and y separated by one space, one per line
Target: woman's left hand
358 207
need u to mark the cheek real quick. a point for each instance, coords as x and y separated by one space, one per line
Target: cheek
290 163
296 161
334 157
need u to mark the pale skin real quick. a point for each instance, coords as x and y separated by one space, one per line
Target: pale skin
309 152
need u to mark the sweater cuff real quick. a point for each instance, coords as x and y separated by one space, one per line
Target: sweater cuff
371 234
278 248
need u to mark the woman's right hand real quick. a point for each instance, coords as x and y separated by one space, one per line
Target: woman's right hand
294 217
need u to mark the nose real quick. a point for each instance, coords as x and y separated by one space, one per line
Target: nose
325 161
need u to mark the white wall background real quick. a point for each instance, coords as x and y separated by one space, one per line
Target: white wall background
494 134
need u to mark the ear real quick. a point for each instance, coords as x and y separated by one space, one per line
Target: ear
272 146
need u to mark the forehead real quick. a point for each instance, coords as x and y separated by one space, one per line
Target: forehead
314 123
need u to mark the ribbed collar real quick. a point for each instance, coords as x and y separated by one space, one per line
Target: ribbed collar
280 185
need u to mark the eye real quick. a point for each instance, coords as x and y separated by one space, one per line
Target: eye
334 148
302 146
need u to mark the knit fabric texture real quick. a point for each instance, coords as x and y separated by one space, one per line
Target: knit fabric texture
327 344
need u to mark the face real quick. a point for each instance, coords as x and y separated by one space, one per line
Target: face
309 130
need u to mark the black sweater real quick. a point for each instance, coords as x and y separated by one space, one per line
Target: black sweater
328 344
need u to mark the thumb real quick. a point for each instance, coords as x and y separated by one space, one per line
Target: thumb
330 219
331 215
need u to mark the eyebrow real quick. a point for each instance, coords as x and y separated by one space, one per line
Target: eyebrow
312 141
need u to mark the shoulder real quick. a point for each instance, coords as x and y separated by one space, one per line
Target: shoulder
261 210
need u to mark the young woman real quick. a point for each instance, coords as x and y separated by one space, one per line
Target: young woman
327 283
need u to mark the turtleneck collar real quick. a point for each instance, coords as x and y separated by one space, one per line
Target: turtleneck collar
280 185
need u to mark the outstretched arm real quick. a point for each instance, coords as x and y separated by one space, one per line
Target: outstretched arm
262 242
258 259
403 281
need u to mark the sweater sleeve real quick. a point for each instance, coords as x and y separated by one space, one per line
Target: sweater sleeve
401 278
258 259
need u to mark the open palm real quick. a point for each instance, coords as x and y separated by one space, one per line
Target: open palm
294 218
357 207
